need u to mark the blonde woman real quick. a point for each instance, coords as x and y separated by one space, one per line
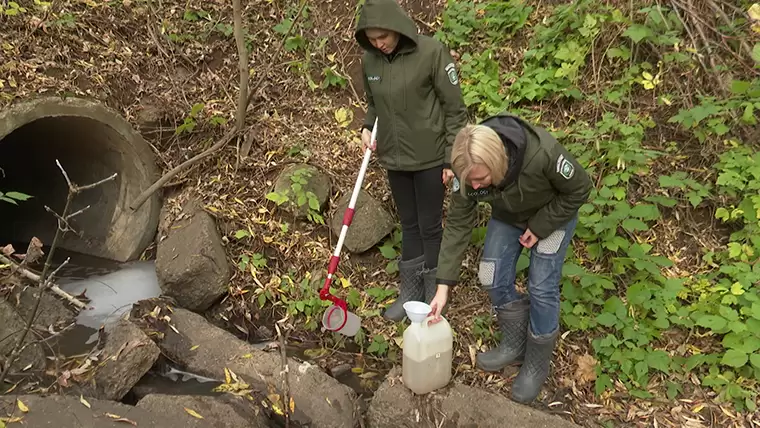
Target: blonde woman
535 188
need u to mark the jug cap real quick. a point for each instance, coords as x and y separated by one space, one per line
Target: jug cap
417 311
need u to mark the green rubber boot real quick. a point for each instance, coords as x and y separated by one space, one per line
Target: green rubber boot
513 321
535 369
410 287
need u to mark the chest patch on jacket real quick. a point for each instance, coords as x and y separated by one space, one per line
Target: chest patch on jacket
564 167
373 78
451 71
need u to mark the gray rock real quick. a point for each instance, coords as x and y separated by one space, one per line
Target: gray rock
320 401
127 356
456 405
14 312
191 263
67 411
226 411
315 181
371 222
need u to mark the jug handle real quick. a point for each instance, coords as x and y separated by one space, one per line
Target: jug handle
427 320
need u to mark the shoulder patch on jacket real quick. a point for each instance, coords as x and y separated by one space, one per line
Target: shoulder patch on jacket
455 185
451 71
565 168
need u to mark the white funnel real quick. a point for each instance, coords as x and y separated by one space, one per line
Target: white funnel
417 311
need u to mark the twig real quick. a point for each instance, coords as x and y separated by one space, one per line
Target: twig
263 75
727 20
169 175
691 35
243 101
45 280
54 288
285 371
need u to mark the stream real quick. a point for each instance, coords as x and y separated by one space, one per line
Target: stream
113 287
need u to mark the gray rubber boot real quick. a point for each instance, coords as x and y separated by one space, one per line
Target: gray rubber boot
513 324
535 369
428 280
410 287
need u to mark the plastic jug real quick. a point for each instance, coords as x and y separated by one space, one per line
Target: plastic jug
428 350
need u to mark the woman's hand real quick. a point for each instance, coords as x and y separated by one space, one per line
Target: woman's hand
366 136
438 303
447 175
528 239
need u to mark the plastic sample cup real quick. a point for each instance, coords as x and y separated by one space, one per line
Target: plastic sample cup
333 318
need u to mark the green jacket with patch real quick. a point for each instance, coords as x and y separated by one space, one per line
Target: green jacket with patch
414 92
543 189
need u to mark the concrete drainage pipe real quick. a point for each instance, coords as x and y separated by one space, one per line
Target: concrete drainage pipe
91 142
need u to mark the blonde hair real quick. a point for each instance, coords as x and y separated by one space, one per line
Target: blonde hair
478 144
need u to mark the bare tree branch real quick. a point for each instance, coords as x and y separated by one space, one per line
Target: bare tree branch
45 280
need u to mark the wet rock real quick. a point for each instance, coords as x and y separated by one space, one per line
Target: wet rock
456 405
191 263
160 411
67 411
206 350
226 411
127 357
11 326
16 308
370 224
298 179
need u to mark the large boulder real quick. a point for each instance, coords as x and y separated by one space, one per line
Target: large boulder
456 405
370 224
127 357
152 411
52 315
296 181
191 263
227 411
206 350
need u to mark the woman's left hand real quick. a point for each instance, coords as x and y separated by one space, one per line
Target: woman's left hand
447 175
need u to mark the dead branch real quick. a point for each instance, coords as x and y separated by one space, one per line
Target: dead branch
743 43
36 278
286 376
237 18
243 101
46 280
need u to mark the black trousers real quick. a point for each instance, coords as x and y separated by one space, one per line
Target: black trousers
419 200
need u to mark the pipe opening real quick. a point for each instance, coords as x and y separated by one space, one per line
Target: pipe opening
90 144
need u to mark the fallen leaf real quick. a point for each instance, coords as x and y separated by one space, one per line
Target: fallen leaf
193 413
8 250
193 348
83 401
292 405
127 421
22 406
227 377
112 416
10 420
586 370
344 116
2 424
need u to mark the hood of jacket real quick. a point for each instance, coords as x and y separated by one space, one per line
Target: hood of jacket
513 137
388 15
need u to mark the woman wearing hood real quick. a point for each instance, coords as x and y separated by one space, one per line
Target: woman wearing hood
535 188
412 87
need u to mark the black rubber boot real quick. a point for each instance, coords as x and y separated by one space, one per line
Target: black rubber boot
535 369
513 324
428 279
410 287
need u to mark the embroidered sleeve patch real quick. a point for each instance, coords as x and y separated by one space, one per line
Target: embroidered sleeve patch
455 185
565 168
451 71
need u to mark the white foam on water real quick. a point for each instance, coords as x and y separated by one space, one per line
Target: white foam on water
112 294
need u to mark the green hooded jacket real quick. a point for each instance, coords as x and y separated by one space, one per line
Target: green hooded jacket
414 92
543 189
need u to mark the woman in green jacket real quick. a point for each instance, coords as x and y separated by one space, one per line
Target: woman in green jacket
535 188
413 89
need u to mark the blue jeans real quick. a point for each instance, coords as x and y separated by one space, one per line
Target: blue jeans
498 269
